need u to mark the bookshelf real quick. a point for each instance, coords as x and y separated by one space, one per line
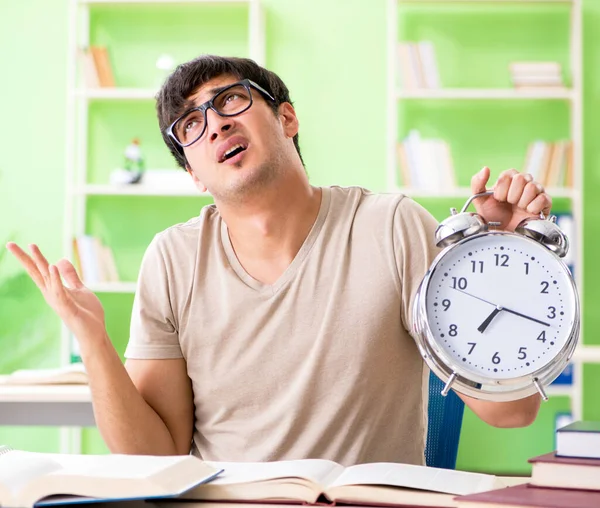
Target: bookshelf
466 97
101 121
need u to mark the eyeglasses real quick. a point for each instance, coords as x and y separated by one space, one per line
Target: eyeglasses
231 101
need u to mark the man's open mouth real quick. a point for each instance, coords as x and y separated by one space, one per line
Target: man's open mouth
233 151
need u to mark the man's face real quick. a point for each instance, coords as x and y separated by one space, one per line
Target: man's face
262 140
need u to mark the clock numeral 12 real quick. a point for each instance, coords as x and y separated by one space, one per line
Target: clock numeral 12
501 259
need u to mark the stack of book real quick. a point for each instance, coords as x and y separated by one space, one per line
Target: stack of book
425 164
550 163
94 261
417 65
536 75
566 478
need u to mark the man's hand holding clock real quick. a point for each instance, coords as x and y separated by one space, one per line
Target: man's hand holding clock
497 314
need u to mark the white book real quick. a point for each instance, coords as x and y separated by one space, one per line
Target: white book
90 266
535 68
408 79
74 373
429 64
412 145
304 481
43 479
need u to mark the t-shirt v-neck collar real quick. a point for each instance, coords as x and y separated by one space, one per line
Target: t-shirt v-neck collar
296 262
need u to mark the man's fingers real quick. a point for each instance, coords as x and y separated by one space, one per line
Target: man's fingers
479 180
542 203
28 263
40 260
517 187
69 274
503 185
531 191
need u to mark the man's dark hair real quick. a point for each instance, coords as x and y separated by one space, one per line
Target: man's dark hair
189 76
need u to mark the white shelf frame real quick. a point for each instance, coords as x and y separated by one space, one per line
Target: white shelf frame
485 94
583 354
138 190
493 2
76 144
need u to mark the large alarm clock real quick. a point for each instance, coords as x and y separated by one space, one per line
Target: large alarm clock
497 314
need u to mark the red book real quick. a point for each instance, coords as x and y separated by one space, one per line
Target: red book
526 496
549 470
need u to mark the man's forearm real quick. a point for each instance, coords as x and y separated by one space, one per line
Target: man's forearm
517 413
125 420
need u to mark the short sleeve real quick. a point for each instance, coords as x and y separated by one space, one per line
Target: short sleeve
414 251
153 332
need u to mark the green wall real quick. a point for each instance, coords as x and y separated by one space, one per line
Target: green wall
331 54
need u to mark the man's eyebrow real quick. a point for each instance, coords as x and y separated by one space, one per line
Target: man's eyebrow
190 104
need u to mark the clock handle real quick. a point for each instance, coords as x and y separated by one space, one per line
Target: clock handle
475 196
540 389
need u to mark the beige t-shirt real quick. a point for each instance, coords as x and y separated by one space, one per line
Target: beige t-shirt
317 365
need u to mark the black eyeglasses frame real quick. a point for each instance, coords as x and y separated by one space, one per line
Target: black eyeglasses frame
203 108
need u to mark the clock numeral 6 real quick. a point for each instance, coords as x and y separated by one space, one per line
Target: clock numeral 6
495 358
522 353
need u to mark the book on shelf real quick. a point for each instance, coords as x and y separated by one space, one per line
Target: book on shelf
579 439
43 479
89 74
550 163
317 481
536 75
550 470
96 68
94 261
71 374
529 496
417 65
425 164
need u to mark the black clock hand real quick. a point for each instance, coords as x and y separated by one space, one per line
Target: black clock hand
477 297
481 328
502 308
526 317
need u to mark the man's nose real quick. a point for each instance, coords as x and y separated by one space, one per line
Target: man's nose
217 124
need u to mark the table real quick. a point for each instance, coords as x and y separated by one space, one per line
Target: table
51 405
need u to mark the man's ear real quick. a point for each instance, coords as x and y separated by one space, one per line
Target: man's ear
199 185
289 120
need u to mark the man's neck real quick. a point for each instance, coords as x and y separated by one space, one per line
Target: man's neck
268 230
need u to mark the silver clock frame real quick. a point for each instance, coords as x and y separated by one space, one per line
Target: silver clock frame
480 386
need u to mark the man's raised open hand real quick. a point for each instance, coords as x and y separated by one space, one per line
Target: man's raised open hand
77 306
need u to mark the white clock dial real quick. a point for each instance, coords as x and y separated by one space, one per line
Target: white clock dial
500 305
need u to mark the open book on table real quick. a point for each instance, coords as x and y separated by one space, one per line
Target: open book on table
74 373
42 479
314 480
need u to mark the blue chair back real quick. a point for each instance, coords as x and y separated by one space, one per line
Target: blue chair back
443 432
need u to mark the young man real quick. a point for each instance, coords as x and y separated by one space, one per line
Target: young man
276 324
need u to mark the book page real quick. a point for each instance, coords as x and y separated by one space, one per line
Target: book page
115 465
72 374
417 477
318 471
18 469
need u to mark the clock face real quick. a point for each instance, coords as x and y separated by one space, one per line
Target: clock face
500 305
